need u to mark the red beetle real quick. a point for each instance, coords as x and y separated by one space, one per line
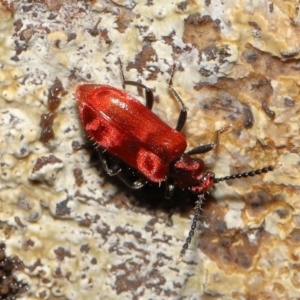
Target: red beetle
125 131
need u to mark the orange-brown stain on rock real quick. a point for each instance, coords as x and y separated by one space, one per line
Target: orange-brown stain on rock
200 31
252 89
229 248
147 54
269 65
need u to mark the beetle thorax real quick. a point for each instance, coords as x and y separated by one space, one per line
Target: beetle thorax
191 173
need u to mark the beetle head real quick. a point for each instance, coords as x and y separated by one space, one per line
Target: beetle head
190 173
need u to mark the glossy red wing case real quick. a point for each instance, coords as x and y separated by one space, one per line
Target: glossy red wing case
124 127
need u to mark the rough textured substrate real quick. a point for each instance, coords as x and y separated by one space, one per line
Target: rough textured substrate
80 235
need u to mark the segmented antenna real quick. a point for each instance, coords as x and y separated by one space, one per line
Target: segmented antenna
200 201
193 227
246 174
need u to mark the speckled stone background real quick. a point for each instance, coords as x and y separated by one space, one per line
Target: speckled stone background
69 231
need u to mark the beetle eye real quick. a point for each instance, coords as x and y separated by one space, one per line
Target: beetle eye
209 175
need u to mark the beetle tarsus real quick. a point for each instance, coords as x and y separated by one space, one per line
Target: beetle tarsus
208 147
169 188
183 113
111 171
148 92
139 184
172 74
136 184
122 73
219 131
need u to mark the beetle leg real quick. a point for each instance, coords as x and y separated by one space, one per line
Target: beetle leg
122 73
201 149
148 91
169 188
183 112
112 168
136 184
87 145
206 148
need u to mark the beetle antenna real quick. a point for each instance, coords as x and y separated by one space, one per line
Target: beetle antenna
246 174
193 227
